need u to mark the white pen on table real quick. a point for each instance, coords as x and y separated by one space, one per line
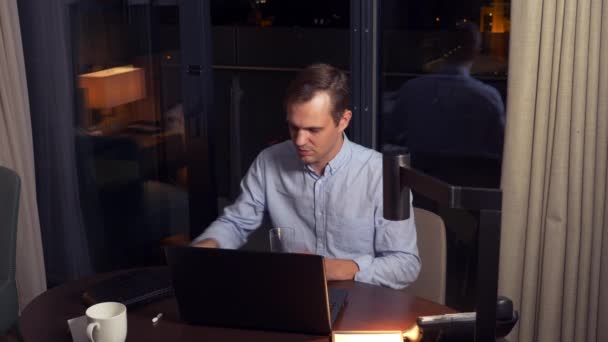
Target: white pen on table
157 318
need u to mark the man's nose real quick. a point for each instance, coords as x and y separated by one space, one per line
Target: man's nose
300 138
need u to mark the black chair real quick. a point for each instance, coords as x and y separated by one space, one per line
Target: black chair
10 185
432 250
463 169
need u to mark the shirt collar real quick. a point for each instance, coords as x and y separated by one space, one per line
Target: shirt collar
455 69
338 161
341 158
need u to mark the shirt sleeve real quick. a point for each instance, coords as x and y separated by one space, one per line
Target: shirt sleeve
245 215
396 263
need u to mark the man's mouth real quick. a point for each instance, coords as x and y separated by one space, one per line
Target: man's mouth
304 153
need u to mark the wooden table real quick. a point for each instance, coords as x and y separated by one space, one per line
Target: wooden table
368 307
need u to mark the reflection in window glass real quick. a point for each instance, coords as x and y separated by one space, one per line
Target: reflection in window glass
281 13
129 135
444 81
444 68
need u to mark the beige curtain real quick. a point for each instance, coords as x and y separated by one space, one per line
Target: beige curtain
554 252
16 152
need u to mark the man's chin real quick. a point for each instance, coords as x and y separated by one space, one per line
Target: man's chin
307 159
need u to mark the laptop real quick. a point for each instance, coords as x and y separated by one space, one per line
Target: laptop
253 290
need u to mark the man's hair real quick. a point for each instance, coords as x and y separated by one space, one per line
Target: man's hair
465 42
317 78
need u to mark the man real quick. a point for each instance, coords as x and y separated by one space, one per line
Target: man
450 111
325 187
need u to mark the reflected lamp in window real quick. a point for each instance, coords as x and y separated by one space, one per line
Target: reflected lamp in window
110 88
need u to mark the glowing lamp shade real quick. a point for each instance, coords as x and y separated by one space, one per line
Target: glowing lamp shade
113 87
367 336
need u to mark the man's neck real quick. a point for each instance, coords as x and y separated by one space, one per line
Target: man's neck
457 67
320 167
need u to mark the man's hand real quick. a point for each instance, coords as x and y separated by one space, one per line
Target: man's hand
207 243
340 269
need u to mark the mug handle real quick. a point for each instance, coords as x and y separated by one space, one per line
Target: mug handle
90 329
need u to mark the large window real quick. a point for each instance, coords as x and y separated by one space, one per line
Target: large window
442 88
129 134
443 91
258 46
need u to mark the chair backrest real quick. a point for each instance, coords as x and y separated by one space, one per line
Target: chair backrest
432 249
9 210
463 169
10 185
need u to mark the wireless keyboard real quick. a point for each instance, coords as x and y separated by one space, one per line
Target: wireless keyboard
131 288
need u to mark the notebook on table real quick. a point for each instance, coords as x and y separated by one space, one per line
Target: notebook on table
134 287
253 290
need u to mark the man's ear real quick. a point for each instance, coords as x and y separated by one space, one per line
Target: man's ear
345 119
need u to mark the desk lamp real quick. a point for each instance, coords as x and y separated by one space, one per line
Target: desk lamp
399 178
109 88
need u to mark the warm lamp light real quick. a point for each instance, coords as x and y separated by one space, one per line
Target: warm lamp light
374 336
113 87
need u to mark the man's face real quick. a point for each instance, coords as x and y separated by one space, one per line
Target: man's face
314 132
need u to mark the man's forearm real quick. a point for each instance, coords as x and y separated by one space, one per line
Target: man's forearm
340 269
396 270
206 243
224 232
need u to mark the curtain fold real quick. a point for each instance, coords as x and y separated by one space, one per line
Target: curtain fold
16 152
45 30
554 170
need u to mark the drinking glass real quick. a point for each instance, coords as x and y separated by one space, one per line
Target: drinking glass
282 239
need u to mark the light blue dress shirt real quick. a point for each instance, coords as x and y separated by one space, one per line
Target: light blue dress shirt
337 215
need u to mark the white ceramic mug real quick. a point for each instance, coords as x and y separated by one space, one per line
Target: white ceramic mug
107 322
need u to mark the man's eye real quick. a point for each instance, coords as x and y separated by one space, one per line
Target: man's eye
315 130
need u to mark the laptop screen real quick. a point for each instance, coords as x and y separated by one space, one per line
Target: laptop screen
254 290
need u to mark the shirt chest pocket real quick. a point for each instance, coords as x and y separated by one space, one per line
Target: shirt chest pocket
350 234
